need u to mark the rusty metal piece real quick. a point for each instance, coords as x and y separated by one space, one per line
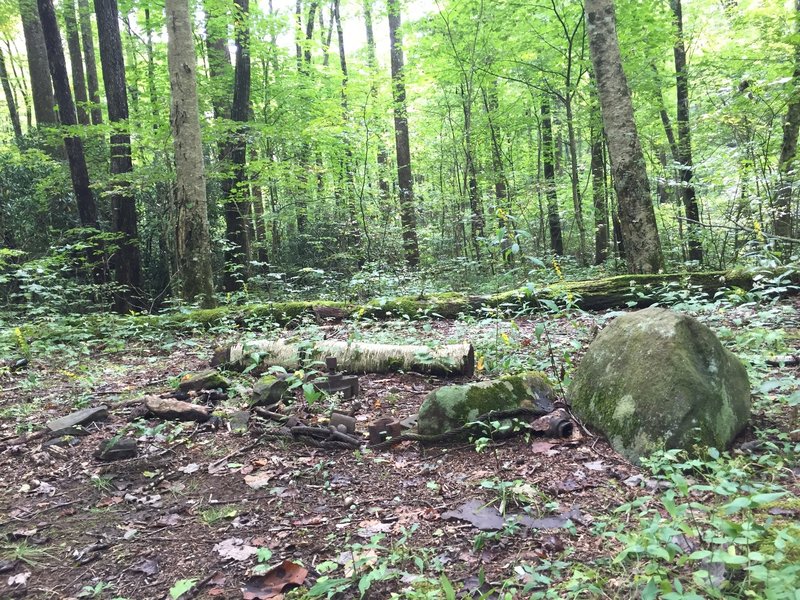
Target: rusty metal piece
382 429
338 419
335 382
556 424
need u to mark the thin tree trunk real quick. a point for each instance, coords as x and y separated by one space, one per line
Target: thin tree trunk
548 165
637 216
599 193
235 188
76 61
685 141
193 244
501 191
408 217
87 209
127 266
84 14
786 168
383 154
19 78
577 202
41 86
9 94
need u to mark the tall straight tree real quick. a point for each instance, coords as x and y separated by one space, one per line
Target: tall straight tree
76 61
684 142
127 267
549 168
193 244
11 104
84 16
786 162
235 187
383 154
38 68
87 209
637 217
405 183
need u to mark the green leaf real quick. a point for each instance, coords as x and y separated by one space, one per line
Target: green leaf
181 587
447 588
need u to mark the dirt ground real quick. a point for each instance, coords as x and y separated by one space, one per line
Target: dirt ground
198 503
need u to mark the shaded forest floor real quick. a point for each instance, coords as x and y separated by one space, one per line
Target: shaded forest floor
372 522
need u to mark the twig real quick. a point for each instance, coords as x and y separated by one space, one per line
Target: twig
213 466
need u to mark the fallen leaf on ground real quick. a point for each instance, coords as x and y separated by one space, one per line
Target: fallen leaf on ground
259 479
485 518
146 566
190 468
272 584
234 549
366 529
354 562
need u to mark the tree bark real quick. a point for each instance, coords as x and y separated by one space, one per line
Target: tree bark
84 14
408 217
127 266
353 357
637 216
41 86
193 244
599 192
76 61
786 169
10 102
235 187
684 141
87 209
548 165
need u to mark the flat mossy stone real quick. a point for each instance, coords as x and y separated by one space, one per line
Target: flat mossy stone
269 390
454 406
205 380
657 379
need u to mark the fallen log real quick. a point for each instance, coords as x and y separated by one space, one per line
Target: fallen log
353 357
620 291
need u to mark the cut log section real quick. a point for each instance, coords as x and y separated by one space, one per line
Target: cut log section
353 357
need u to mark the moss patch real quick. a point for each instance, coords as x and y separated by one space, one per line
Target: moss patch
453 406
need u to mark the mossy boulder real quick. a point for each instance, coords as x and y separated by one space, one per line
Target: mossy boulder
453 406
657 379
209 379
269 390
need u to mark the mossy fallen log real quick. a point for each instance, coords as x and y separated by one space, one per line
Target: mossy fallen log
620 291
353 357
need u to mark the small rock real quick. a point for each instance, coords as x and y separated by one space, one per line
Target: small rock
116 449
205 380
167 408
63 441
239 421
269 390
81 417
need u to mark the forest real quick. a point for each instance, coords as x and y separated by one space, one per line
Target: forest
205 205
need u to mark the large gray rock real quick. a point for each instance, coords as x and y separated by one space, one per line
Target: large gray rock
657 379
80 417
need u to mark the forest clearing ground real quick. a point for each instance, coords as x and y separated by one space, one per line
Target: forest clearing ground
134 528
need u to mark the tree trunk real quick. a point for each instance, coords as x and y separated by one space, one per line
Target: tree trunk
235 187
548 164
382 154
638 220
685 141
599 192
76 61
127 267
501 191
87 209
10 102
348 183
41 86
193 244
84 14
219 64
577 202
353 357
408 217
786 169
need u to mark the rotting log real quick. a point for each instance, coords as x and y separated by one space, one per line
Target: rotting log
620 291
353 357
